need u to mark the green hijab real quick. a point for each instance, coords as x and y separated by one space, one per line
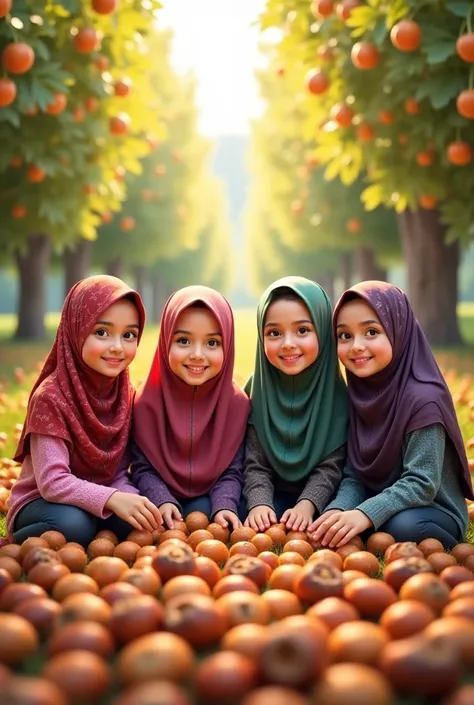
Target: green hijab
299 419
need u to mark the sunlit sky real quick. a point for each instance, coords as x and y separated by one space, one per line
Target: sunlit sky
216 40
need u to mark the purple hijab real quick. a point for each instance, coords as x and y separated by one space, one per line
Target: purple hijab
410 393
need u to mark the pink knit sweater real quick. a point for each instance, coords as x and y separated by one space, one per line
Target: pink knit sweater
45 473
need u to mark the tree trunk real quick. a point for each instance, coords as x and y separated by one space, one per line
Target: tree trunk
345 269
140 279
432 274
326 280
114 267
367 267
159 298
32 270
76 264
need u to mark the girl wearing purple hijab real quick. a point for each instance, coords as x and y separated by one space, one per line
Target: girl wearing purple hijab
407 471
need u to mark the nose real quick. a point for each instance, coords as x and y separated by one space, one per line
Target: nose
116 343
197 352
288 341
358 343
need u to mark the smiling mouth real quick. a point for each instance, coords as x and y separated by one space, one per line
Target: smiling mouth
195 370
290 358
113 360
360 360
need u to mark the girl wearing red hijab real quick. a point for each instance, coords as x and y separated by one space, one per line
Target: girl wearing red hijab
73 447
407 471
189 416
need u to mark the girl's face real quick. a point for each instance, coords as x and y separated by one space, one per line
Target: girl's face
112 344
196 354
363 346
290 339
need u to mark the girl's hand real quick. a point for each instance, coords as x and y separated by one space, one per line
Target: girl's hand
138 511
226 517
298 518
320 520
170 513
341 527
261 518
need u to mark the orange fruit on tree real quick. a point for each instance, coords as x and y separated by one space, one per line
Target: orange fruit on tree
465 103
79 114
127 223
342 114
35 174
386 117
122 86
101 62
365 132
365 55
316 81
354 225
459 153
107 217
57 105
86 40
91 103
411 106
324 52
427 202
18 57
406 35
322 8
5 7
465 47
104 7
424 158
18 212
7 92
16 162
344 8
119 124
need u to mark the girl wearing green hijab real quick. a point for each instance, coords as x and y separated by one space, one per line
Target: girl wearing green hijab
296 439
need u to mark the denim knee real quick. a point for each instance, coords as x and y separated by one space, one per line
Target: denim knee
404 526
76 524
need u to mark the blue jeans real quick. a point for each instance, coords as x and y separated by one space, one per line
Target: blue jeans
75 524
203 504
283 501
423 523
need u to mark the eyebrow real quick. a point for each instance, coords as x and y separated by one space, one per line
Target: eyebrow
188 332
109 323
362 323
303 320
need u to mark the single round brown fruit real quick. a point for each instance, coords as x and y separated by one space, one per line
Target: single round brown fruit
378 542
74 583
41 612
352 684
85 636
244 608
30 690
455 574
333 611
225 676
100 547
357 642
234 583
127 551
156 692
196 521
406 618
364 561
276 695
208 570
74 557
440 560
245 639
19 639
184 585
214 549
316 581
428 546
55 539
369 596
132 617
154 657
199 535
220 533
172 560
282 603
113 592
426 588
145 579
398 571
82 675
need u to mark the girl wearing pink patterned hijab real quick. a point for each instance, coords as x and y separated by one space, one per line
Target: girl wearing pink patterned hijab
407 471
73 447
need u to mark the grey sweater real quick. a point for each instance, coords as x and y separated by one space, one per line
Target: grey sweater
260 480
429 478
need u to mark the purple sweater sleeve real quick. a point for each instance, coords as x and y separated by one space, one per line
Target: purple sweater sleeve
56 483
227 490
146 478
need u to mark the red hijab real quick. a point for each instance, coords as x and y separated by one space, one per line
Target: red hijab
166 408
89 411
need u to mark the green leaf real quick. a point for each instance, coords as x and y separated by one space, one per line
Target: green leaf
439 52
460 9
440 91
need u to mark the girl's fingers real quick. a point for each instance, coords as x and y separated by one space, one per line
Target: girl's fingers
339 536
156 513
331 532
273 517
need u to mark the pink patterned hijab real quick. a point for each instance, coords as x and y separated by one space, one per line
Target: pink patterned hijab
191 434
90 412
